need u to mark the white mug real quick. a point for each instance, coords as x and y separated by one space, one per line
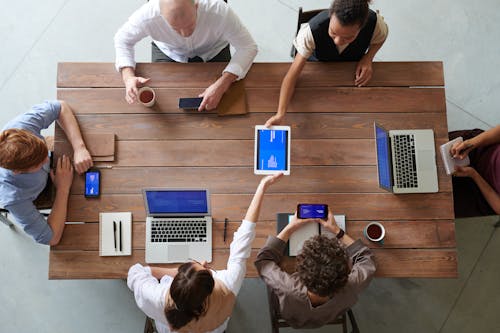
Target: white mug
376 232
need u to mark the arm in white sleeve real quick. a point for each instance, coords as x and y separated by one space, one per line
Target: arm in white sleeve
127 36
239 252
246 48
148 292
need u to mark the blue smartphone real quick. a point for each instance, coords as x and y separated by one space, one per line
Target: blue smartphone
312 211
190 103
92 183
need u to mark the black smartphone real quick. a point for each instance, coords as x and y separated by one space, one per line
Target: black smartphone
312 211
190 103
92 183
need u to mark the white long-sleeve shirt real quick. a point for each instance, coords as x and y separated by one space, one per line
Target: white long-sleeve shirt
216 26
150 294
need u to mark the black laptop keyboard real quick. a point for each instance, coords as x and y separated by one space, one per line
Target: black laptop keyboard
178 231
405 161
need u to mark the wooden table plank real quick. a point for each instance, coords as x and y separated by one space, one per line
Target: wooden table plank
333 99
355 179
438 263
362 206
211 127
200 75
399 234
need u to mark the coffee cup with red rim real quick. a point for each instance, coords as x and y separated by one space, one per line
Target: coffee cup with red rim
375 232
147 96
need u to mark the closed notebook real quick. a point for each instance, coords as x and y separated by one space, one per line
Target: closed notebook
112 241
234 101
101 146
298 238
449 162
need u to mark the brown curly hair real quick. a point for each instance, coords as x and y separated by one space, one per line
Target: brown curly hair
21 150
322 265
350 12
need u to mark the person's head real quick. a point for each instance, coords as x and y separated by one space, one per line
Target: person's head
180 14
322 265
189 290
347 18
21 151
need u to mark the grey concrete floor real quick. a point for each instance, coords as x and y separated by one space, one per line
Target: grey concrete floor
36 35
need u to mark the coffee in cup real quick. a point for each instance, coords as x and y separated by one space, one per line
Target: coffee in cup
374 231
147 96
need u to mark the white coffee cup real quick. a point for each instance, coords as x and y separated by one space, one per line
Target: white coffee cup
375 232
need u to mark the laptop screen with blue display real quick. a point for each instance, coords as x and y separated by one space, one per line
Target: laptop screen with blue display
383 158
272 149
177 202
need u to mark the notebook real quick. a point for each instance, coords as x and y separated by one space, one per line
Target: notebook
110 242
449 162
307 231
178 225
406 160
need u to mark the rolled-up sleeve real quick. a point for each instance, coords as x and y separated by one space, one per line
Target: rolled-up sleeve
363 268
148 292
245 47
31 221
239 252
127 36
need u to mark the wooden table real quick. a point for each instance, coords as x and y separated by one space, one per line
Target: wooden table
333 159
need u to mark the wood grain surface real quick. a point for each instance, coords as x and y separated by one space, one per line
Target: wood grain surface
333 159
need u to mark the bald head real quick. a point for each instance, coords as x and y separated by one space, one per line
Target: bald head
180 14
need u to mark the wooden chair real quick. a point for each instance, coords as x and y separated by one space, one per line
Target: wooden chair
277 322
303 17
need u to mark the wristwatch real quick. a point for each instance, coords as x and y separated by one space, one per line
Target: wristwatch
340 234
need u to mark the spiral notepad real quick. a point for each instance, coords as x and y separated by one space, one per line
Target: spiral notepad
113 239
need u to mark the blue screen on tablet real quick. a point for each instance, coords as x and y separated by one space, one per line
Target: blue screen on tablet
272 149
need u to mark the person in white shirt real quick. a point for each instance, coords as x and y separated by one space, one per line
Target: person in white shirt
186 31
193 297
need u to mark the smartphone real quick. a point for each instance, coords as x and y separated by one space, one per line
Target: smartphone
312 211
190 103
92 183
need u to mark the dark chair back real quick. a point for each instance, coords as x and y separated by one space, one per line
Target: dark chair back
303 17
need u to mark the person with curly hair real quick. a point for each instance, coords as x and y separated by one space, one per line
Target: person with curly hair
331 272
348 31
193 297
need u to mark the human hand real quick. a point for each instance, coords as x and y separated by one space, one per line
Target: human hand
274 120
296 223
63 177
464 171
269 180
330 223
212 96
131 85
363 71
462 149
82 160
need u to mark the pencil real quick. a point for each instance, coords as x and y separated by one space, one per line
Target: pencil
114 233
225 229
120 236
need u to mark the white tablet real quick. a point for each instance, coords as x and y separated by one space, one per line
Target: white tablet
272 150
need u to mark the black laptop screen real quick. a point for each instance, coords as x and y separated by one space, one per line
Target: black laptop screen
383 158
177 202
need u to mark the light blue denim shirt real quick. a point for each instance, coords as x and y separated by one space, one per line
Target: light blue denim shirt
18 191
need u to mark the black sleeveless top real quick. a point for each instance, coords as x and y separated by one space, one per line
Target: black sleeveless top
326 50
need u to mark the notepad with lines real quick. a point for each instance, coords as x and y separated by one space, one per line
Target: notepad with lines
112 241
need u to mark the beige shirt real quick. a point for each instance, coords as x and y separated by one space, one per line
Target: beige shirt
304 42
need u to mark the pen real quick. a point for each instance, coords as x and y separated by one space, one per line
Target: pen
114 233
120 236
225 229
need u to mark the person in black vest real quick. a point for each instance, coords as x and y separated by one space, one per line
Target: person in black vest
347 31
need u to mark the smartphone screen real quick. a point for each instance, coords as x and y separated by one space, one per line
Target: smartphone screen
190 103
312 211
92 183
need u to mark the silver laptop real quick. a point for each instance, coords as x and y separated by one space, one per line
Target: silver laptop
406 160
178 225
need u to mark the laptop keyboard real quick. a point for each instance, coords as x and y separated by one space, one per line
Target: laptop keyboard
405 161
175 231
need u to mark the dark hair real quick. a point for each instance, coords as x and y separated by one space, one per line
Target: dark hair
189 290
350 12
322 265
21 150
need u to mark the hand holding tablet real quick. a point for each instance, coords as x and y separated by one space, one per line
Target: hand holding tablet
272 150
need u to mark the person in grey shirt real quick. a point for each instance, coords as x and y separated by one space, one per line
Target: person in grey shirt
330 274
